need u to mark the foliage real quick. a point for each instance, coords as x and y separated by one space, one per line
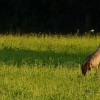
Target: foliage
48 15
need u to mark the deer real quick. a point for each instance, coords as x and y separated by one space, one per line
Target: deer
92 61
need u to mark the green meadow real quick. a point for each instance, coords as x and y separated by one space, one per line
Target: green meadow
47 67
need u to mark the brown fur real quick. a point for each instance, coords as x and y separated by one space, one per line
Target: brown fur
92 61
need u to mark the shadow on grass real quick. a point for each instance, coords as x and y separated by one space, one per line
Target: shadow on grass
20 56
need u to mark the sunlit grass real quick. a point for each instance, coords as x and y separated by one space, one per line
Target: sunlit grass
31 82
47 68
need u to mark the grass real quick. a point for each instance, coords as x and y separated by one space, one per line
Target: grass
47 68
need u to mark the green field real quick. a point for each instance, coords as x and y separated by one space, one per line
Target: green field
47 68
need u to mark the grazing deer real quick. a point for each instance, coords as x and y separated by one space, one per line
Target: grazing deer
92 61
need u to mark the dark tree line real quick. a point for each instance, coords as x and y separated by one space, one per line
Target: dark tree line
49 15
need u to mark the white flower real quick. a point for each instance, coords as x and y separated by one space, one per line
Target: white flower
92 30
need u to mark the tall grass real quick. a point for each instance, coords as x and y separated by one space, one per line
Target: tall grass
46 68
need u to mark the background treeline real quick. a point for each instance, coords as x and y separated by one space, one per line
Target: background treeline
62 16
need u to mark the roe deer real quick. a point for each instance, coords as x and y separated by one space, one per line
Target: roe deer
92 61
